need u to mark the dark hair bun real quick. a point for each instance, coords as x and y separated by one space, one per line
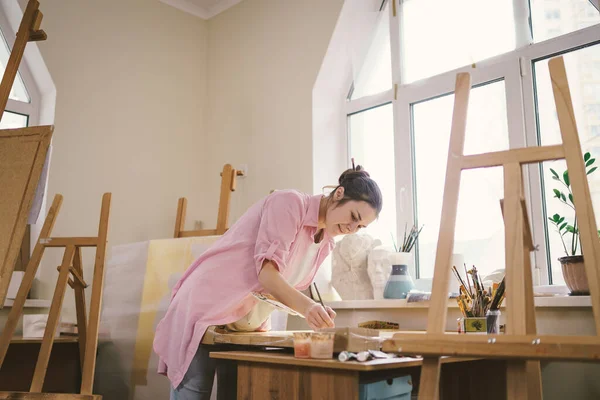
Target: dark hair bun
353 173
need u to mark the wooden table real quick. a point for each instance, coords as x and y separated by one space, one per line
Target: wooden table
279 375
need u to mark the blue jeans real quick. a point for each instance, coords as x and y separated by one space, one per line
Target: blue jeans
198 381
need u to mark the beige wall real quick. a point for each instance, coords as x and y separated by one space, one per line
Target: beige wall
131 78
263 60
151 102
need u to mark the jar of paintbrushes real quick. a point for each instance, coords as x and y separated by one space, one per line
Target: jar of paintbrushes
479 306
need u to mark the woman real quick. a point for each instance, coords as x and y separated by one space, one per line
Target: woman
276 247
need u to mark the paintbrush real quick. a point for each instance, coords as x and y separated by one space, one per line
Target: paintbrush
318 294
458 276
498 296
468 282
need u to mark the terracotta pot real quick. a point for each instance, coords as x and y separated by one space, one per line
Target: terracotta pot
573 271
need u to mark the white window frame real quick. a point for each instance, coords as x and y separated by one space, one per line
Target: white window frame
552 47
515 68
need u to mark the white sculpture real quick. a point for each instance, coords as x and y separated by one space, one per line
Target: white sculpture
379 269
349 267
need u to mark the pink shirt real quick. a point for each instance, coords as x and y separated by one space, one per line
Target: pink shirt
216 288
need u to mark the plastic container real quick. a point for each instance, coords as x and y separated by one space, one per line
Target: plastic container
397 389
321 345
493 321
302 344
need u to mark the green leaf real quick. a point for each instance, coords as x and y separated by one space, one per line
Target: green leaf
592 170
566 178
562 196
562 226
570 229
561 220
557 193
556 217
586 156
571 198
554 173
590 162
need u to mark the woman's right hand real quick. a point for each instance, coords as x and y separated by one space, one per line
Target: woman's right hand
319 317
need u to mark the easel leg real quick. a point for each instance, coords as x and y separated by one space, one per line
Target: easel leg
180 218
429 383
89 364
80 306
30 271
534 372
438 310
515 275
590 245
53 318
516 377
228 176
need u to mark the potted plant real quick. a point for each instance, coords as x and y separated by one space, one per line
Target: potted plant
572 263
399 283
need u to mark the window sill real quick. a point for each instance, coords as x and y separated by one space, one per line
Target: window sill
559 301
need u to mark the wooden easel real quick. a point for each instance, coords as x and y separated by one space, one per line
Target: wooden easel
228 184
29 31
20 159
71 272
521 346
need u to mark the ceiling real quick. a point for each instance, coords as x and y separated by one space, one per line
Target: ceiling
204 9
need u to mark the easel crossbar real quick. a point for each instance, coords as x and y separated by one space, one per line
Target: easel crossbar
70 241
201 232
524 155
530 347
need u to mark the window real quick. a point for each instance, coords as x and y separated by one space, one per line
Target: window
371 135
12 120
552 18
479 234
404 136
439 36
18 91
375 74
585 96
18 107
